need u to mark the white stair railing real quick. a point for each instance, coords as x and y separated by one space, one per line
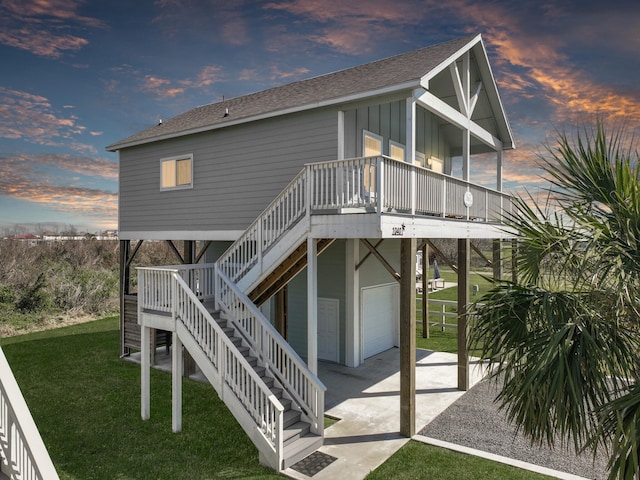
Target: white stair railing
284 363
285 211
23 451
231 368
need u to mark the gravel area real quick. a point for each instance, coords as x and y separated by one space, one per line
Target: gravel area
474 421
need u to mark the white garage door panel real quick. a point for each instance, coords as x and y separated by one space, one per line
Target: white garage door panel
380 310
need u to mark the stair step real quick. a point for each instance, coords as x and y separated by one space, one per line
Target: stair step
244 351
253 361
295 431
301 448
290 417
286 403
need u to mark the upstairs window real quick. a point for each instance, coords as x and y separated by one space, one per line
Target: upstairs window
396 150
372 144
176 172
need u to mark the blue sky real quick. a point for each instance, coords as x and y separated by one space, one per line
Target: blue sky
79 75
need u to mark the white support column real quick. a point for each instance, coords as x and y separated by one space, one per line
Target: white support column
176 388
410 137
466 153
466 132
352 307
340 134
145 372
312 305
411 147
499 161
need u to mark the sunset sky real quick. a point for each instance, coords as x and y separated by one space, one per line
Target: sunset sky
79 75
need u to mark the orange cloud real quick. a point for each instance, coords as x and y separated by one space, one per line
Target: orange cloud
277 74
26 178
166 88
351 27
32 118
39 26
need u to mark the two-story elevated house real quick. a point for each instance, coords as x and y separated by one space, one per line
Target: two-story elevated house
301 208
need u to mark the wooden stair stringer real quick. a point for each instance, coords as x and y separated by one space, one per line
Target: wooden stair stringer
285 272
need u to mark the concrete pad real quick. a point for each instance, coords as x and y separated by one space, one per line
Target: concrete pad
366 399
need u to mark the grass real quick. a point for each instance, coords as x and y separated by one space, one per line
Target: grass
417 461
86 403
446 341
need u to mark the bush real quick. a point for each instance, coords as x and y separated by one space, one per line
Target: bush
34 298
6 294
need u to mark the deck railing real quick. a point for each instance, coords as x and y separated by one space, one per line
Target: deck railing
390 186
22 450
283 362
154 291
360 185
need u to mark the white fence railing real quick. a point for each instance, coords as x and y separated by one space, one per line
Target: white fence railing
232 368
24 454
286 365
442 309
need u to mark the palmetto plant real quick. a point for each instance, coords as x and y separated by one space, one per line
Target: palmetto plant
564 341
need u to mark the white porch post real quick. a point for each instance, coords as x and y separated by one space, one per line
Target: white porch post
176 390
410 137
312 305
145 371
340 134
499 161
352 333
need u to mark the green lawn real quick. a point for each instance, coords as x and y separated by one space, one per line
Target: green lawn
447 340
418 461
86 403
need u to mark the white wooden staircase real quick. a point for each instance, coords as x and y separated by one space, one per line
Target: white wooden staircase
210 308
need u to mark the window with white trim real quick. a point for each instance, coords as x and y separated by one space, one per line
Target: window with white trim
396 150
436 164
371 147
176 172
371 144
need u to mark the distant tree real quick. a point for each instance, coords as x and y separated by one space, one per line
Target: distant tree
563 342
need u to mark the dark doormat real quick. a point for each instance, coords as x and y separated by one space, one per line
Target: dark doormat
314 463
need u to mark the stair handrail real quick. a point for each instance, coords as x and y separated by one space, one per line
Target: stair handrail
266 411
21 445
283 361
284 211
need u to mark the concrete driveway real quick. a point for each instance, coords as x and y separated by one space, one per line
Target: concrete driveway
366 399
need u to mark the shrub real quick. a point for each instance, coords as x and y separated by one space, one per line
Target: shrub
34 298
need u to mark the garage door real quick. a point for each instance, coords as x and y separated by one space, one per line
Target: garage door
380 312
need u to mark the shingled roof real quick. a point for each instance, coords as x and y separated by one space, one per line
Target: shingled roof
399 72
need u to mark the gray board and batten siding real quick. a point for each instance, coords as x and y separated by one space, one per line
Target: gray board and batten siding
237 172
389 121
